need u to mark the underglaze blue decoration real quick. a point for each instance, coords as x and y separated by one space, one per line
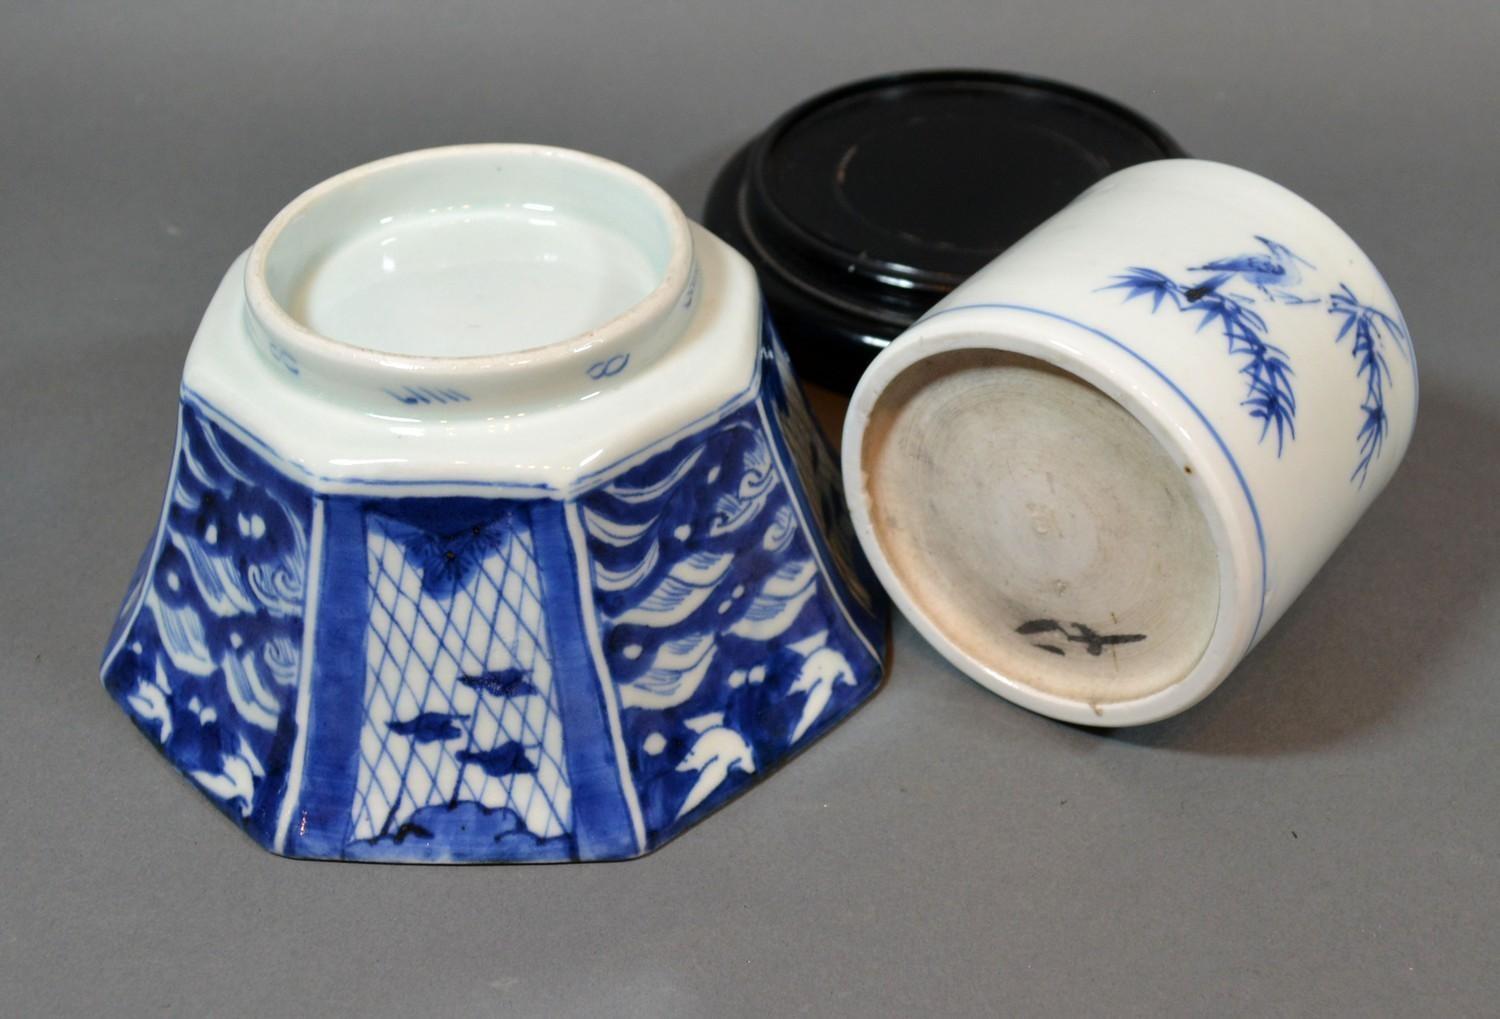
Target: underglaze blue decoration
1274 274
207 656
722 630
462 734
610 366
1267 370
1096 343
814 459
374 675
411 395
1372 330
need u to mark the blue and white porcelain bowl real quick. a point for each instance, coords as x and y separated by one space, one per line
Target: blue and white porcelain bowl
1101 469
497 527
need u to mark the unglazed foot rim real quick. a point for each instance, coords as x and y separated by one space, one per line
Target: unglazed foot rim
1041 528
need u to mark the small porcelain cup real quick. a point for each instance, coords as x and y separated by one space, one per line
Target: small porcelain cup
1101 469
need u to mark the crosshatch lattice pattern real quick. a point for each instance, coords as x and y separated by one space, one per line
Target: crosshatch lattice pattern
417 649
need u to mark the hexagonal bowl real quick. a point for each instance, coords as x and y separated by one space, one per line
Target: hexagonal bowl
497 528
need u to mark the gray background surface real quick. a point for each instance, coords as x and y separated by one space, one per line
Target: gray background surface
1321 836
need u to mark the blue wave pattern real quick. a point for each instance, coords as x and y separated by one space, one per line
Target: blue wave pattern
724 639
462 743
460 698
813 458
209 644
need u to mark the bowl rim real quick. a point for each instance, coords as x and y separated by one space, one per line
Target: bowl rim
285 329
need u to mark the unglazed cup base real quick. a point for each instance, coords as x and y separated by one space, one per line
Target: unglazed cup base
1041 526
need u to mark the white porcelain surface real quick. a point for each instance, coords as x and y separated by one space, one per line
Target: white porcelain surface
1201 383
469 283
604 293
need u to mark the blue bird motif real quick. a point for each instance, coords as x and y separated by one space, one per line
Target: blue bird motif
508 758
502 683
429 727
1273 272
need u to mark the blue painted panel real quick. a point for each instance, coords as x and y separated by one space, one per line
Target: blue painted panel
457 697
209 656
723 628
